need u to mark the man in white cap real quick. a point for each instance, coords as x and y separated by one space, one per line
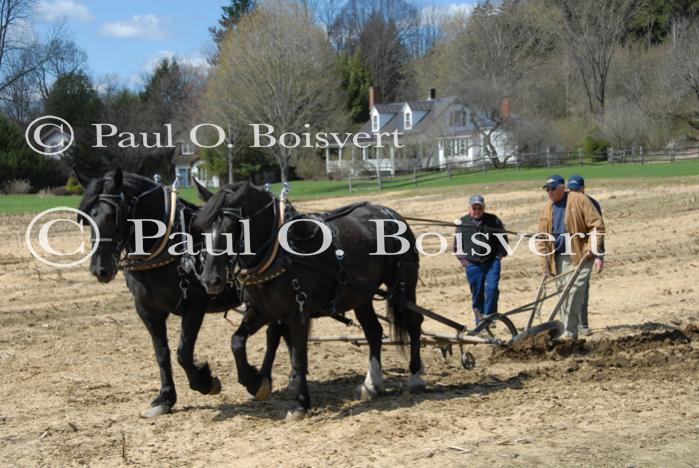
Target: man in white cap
480 255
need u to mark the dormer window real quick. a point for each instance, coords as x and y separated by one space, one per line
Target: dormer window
375 122
187 148
408 119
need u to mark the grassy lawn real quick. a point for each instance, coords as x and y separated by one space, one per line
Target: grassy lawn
328 188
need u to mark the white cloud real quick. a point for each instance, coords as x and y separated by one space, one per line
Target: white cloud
138 26
58 10
441 13
194 60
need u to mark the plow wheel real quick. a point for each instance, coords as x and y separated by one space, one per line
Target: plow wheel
502 329
467 359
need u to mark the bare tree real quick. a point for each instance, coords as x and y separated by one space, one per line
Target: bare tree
278 69
591 29
484 61
384 55
28 62
65 57
685 61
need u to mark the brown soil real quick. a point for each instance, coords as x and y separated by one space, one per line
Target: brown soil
78 365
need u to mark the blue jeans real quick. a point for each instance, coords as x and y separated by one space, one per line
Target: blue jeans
483 278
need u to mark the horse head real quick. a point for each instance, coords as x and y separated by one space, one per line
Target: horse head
221 220
105 203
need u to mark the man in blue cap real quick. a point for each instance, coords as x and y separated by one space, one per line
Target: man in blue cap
576 183
575 235
480 255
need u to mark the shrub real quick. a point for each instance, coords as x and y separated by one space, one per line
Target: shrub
310 167
73 186
18 186
595 148
60 191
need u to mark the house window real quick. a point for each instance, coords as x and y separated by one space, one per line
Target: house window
457 119
408 120
463 146
375 123
187 148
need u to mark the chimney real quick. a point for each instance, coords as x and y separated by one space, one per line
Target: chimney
505 108
373 96
432 95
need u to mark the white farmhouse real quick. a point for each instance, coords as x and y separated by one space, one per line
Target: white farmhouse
434 133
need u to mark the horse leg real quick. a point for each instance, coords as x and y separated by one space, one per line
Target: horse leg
287 339
274 336
199 375
155 323
414 326
257 385
373 383
299 362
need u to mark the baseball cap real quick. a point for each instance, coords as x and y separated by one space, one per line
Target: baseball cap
554 181
576 182
476 200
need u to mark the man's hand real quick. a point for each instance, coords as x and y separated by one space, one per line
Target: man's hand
599 264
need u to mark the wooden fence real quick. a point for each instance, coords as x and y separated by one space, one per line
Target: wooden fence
416 176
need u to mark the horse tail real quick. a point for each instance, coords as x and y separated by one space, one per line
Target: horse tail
402 288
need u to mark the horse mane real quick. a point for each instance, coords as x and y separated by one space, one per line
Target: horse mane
133 184
208 213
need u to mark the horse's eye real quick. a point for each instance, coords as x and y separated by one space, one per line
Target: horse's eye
93 212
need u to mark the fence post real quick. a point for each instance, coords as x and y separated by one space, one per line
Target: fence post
623 155
449 170
672 154
415 175
610 154
548 157
580 157
378 174
641 151
517 158
349 180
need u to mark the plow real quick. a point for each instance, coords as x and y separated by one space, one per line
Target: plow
494 330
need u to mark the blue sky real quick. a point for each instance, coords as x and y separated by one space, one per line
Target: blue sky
127 37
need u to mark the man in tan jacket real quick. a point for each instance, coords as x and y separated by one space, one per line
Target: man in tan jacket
576 234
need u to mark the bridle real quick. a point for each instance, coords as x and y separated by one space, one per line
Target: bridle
119 203
123 207
234 266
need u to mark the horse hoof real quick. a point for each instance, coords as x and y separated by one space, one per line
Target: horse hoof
366 393
215 386
295 414
155 411
265 389
416 384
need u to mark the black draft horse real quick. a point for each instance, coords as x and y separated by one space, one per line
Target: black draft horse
292 288
160 285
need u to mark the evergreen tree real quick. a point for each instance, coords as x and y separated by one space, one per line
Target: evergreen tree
356 80
73 97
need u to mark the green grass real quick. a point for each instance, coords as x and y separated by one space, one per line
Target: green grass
329 188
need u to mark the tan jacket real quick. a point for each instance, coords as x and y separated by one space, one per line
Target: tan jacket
581 217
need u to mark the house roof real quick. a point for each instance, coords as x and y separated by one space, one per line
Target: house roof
429 122
392 108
